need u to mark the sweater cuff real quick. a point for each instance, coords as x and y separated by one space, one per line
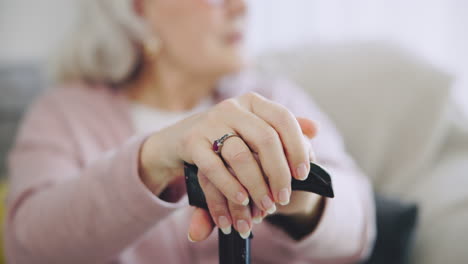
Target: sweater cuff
321 232
136 197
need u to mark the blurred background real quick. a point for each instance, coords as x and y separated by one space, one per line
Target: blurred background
432 29
392 74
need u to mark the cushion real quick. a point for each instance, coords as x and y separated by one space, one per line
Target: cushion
396 226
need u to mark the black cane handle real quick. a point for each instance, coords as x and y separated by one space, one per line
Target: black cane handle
233 249
318 182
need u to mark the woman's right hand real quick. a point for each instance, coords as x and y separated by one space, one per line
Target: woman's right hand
255 170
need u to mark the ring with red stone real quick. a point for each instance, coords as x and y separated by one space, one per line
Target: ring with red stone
218 144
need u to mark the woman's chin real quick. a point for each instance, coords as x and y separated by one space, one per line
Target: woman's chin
225 65
232 69
235 63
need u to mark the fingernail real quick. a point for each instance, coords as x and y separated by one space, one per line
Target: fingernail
224 225
302 172
243 229
284 196
272 210
256 215
242 198
190 238
257 220
268 204
227 230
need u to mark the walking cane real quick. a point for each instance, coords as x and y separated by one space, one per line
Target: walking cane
232 248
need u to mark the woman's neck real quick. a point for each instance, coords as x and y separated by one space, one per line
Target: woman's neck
170 89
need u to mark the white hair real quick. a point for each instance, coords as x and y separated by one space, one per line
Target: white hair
104 44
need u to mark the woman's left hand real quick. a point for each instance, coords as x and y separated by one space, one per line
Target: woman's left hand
302 204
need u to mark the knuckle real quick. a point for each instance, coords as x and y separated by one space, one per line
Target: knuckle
217 207
228 105
188 139
237 209
253 96
259 187
187 143
269 137
208 167
284 117
240 156
212 115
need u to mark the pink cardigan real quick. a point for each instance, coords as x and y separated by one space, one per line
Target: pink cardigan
76 197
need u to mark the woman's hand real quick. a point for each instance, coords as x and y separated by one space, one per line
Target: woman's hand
303 210
303 203
258 167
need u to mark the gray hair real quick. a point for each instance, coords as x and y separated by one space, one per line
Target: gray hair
104 44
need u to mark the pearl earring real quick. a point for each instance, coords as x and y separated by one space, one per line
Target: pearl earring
151 47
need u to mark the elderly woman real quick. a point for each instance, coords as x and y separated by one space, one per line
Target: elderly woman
97 169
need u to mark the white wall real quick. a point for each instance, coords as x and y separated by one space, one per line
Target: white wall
433 28
29 29
436 30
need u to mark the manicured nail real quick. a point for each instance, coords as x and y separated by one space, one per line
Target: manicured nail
268 204
242 198
284 196
257 220
272 210
224 225
243 229
227 230
190 238
256 215
302 172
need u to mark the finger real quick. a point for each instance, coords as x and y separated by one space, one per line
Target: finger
288 129
285 123
308 144
212 166
201 225
308 127
217 204
312 155
263 139
310 130
263 212
257 215
241 160
242 219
